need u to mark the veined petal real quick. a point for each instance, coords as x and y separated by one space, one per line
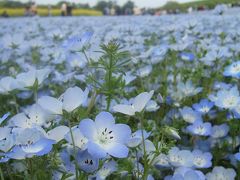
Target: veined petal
96 151
73 98
141 100
58 133
51 104
104 119
117 150
125 109
88 128
121 133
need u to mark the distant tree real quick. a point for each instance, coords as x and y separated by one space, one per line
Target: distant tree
11 4
128 7
101 5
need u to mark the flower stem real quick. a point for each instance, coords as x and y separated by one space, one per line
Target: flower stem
1 174
74 149
145 161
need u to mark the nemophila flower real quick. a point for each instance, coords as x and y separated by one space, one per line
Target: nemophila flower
227 99
144 71
189 115
33 116
4 117
30 142
71 99
138 171
184 173
188 88
161 161
219 131
79 139
66 161
27 79
128 78
186 56
107 169
87 162
58 133
6 139
77 42
220 172
139 103
157 53
233 70
201 159
222 85
180 158
237 155
203 107
147 147
199 128
8 84
152 106
136 138
77 60
105 137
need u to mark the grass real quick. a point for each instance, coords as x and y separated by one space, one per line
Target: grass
55 12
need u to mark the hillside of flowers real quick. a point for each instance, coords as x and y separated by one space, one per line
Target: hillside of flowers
121 97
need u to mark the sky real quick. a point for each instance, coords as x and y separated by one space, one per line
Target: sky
139 3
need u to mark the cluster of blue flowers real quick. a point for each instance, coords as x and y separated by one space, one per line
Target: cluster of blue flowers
170 112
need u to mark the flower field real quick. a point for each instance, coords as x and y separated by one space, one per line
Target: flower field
121 97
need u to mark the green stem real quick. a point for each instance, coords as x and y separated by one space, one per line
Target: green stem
145 161
109 97
1 174
35 91
137 166
74 149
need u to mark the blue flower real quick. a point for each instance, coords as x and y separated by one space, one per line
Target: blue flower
139 103
220 172
77 42
227 98
39 148
179 158
186 56
136 138
107 169
105 137
219 131
233 70
203 107
202 160
189 115
87 162
200 128
184 173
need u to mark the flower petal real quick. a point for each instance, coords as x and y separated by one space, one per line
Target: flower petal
95 150
125 109
117 150
88 128
51 104
141 100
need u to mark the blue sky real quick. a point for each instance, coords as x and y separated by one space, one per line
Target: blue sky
139 3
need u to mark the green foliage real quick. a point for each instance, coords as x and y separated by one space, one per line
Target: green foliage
110 65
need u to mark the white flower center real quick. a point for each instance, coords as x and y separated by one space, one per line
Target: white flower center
106 136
